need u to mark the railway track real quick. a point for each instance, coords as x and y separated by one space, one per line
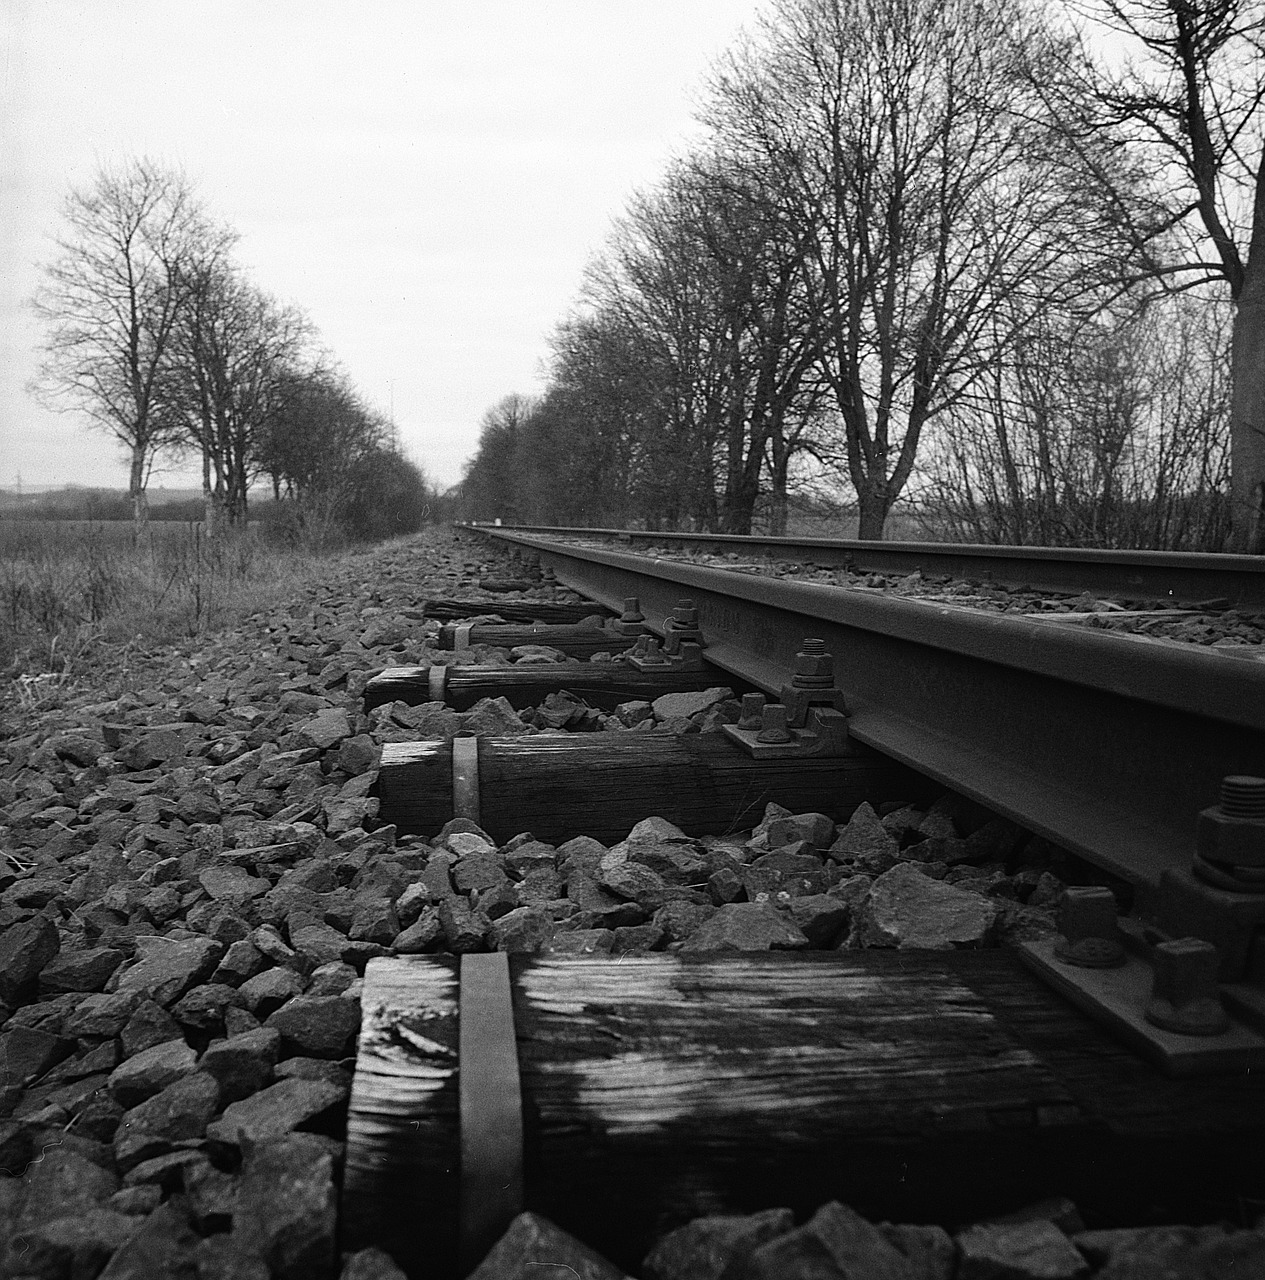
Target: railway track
1108 746
1152 576
613 959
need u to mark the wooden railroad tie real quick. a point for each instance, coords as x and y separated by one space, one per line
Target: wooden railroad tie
602 785
600 684
578 640
653 1088
522 611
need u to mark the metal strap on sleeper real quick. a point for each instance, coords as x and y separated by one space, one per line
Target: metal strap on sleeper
465 778
461 636
491 1105
437 682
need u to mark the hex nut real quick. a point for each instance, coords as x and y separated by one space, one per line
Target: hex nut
814 664
1240 842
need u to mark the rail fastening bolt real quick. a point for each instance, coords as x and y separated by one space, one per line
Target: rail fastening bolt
632 610
1185 998
1089 935
1232 832
814 667
752 716
774 727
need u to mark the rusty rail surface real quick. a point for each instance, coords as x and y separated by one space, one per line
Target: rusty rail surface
1175 576
1107 744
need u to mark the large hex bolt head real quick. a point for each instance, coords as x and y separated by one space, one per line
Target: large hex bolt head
685 615
1089 935
1233 832
752 711
774 724
1185 998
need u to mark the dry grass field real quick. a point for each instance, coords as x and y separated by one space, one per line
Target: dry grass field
70 586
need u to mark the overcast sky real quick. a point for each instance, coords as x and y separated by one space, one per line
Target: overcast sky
425 178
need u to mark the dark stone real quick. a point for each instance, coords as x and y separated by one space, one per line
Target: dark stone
275 1111
165 968
421 936
477 871
70 1247
821 917
635 938
370 1264
80 970
150 1072
1018 1251
164 1246
150 1024
318 1026
374 920
25 950
532 1245
63 1183
26 1053
265 993
320 943
102 1015
525 929
864 836
220 1257
678 920
181 1110
747 926
243 1064
286 1208
203 1008
835 1242
702 1249
464 929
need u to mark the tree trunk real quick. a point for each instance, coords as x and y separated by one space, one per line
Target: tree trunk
136 491
873 506
1247 417
210 507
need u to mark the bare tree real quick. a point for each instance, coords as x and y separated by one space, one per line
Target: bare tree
904 147
1107 435
235 346
1187 110
112 300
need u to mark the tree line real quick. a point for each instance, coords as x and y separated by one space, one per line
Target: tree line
936 253
160 337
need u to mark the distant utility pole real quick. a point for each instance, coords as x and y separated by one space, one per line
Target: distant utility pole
18 479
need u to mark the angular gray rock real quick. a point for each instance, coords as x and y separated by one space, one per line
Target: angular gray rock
25 950
318 1026
835 1242
150 1071
525 929
243 1064
704 1248
286 1207
747 926
165 968
533 1245
863 836
275 1111
1019 1251
671 705
908 909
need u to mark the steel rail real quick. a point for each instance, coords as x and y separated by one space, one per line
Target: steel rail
1181 576
1107 744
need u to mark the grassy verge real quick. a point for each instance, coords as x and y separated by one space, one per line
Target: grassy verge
68 589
